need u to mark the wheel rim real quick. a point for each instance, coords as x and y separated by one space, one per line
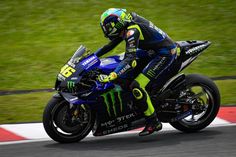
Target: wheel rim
71 120
204 98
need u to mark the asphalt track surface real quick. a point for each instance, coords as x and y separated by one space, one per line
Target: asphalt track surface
215 142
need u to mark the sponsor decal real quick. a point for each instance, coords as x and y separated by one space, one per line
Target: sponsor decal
151 73
131 39
111 123
60 77
74 78
159 64
126 117
88 60
119 25
132 44
112 99
124 69
116 129
195 49
151 25
67 71
70 84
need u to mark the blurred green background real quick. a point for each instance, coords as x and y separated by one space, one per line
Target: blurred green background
37 37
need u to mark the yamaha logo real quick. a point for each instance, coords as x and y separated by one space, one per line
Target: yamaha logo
88 60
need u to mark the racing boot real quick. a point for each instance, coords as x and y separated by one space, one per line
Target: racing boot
152 125
145 105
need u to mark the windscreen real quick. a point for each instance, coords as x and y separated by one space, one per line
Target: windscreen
70 67
79 54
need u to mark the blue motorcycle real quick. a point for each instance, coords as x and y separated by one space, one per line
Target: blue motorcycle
82 104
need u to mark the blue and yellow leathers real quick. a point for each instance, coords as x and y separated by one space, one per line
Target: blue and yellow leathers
143 37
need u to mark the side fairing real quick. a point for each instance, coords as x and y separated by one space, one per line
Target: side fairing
74 71
115 112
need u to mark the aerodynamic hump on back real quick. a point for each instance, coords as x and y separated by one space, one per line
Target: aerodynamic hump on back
192 47
188 51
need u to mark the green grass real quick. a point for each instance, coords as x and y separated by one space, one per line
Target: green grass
37 37
29 107
227 91
23 108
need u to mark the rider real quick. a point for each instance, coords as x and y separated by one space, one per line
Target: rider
144 38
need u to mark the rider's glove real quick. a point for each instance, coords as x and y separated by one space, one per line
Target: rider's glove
107 78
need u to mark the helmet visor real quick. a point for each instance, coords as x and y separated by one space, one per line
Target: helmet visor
110 30
107 28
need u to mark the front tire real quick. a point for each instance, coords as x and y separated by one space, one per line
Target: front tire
67 123
212 105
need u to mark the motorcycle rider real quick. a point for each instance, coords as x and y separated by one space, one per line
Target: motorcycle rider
144 38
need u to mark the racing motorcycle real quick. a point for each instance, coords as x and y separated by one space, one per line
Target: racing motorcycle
188 102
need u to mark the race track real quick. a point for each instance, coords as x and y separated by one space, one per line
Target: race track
214 141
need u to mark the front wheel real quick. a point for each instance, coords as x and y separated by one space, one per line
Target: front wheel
66 123
205 93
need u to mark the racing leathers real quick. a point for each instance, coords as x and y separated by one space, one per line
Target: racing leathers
143 38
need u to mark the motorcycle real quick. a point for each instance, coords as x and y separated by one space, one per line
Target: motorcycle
188 102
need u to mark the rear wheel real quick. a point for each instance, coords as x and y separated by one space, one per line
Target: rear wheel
66 123
203 92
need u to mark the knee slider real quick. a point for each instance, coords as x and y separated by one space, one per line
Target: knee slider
138 94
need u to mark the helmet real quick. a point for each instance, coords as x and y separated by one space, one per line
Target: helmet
113 21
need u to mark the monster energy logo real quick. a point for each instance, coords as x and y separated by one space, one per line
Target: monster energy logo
70 84
118 25
112 99
151 73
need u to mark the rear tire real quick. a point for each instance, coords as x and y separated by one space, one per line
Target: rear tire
212 109
61 126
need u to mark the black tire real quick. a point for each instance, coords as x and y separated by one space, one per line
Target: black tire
212 110
67 134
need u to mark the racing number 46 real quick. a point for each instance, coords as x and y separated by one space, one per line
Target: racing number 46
67 71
